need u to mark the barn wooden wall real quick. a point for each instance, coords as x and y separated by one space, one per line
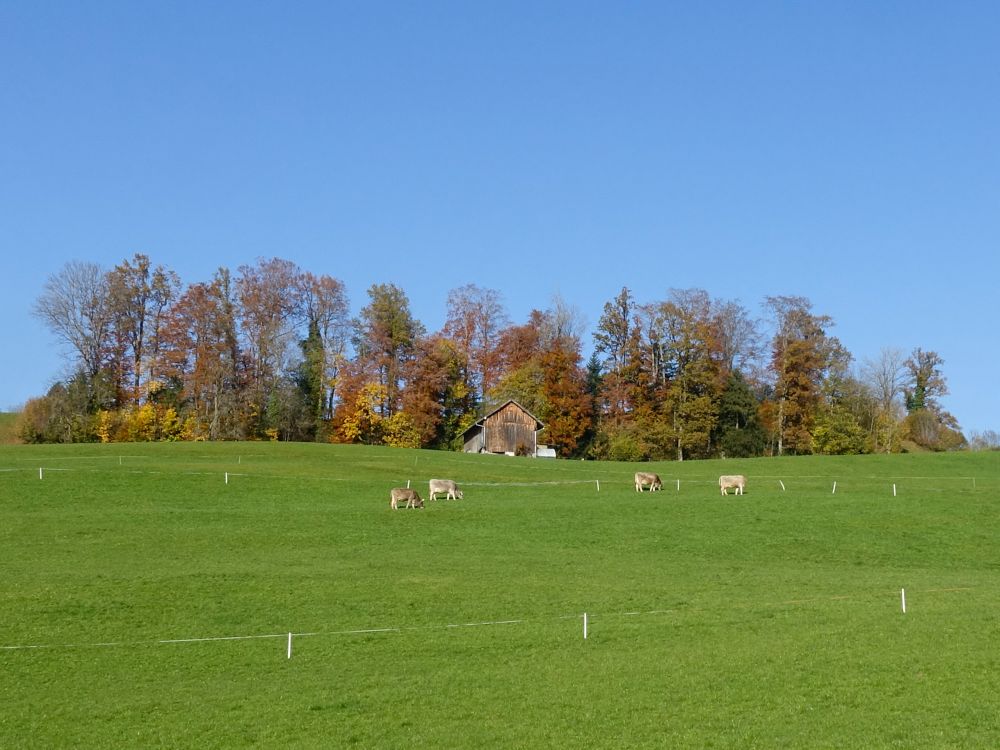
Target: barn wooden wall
508 428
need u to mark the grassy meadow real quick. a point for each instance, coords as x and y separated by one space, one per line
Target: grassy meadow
146 601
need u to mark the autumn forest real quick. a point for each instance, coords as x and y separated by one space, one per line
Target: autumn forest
271 352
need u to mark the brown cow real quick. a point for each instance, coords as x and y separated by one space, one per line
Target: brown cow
736 481
446 486
644 478
404 494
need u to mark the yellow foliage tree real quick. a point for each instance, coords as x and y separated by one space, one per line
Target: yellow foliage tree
363 424
192 430
170 425
140 424
399 431
105 424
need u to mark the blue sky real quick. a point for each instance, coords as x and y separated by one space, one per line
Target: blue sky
844 152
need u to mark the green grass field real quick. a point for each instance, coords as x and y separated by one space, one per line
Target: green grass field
772 620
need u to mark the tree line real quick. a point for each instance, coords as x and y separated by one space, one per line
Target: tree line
272 352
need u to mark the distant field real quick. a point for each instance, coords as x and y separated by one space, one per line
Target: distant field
147 601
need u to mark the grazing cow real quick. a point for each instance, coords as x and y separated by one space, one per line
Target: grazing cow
446 486
643 478
737 481
404 494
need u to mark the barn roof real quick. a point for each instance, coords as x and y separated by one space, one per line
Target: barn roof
479 422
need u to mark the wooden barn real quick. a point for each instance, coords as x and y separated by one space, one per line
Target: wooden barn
507 429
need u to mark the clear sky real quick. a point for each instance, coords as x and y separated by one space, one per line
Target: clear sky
845 152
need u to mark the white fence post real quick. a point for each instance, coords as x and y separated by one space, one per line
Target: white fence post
584 626
902 596
289 645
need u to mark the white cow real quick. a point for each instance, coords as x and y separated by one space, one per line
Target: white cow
404 494
446 486
643 478
737 481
